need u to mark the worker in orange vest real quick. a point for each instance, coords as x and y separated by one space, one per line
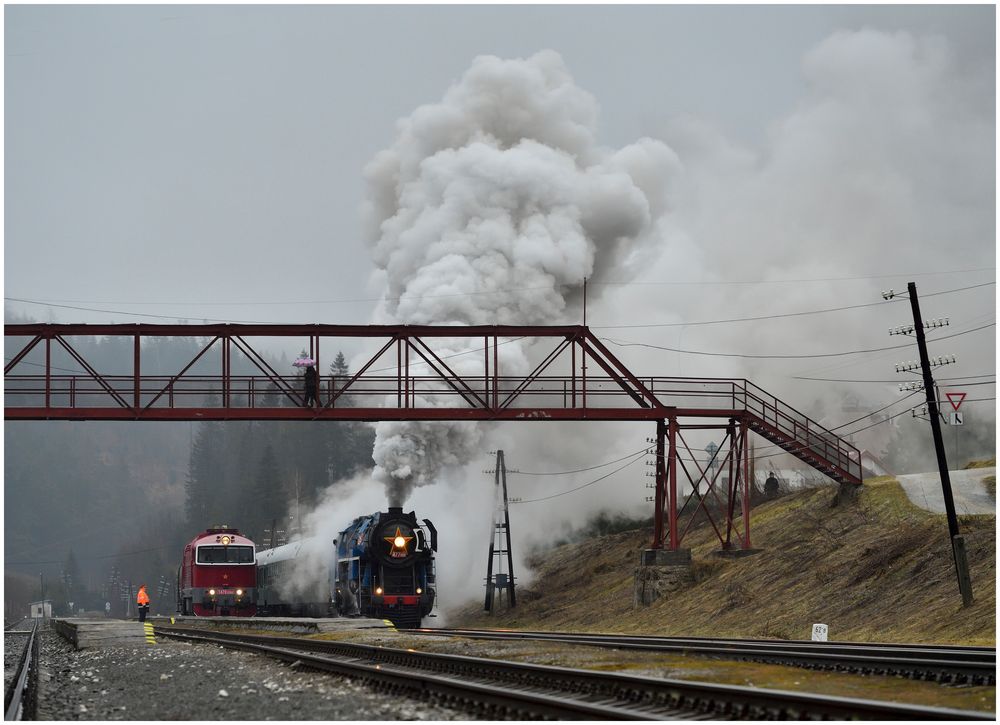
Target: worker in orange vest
142 603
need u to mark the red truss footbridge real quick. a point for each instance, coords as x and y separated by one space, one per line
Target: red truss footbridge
411 374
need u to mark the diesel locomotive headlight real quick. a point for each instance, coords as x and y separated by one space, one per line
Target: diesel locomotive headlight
378 590
239 592
419 590
211 592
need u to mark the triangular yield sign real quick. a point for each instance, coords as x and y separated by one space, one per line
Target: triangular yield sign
955 399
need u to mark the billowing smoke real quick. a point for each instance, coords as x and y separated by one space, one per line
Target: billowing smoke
492 207
884 166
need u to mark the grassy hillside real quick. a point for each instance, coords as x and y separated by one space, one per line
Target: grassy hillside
875 568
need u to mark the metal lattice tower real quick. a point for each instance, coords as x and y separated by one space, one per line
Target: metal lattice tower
500 582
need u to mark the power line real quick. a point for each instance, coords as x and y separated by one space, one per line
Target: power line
806 279
845 380
88 558
785 357
781 315
578 470
504 291
134 314
590 483
461 294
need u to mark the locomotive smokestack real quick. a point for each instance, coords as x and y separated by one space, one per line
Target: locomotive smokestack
395 510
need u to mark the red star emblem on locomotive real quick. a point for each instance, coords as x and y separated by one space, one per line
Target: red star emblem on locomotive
398 543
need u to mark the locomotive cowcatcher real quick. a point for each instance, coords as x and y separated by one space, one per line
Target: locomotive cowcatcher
218 575
384 568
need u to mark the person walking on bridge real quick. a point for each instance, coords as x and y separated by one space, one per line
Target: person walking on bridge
142 603
311 380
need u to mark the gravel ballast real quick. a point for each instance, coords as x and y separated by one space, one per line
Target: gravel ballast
179 681
13 646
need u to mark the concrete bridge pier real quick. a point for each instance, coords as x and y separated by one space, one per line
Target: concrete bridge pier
660 572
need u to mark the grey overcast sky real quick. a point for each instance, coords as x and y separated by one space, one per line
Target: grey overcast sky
181 154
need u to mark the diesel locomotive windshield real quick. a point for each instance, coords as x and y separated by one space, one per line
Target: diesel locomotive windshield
225 555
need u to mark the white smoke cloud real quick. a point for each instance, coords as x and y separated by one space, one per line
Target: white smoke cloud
492 207
886 165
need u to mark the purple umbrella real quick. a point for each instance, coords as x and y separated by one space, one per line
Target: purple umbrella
304 362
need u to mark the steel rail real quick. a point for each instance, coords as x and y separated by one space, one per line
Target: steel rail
493 699
580 693
17 700
946 664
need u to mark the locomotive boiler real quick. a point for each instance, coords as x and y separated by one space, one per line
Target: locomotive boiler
218 575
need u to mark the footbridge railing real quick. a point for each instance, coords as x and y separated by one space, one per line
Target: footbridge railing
412 373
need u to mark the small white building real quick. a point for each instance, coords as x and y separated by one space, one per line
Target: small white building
40 610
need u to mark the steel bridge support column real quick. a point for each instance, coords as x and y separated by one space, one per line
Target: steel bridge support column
747 483
136 398
48 376
663 569
672 485
661 487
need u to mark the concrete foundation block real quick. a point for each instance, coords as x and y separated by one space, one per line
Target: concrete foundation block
661 572
665 557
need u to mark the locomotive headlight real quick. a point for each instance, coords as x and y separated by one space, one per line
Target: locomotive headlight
226 540
419 590
239 592
399 542
211 592
378 590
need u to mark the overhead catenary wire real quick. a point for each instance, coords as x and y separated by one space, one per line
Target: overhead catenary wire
781 314
90 558
64 305
940 380
589 483
625 343
578 470
408 298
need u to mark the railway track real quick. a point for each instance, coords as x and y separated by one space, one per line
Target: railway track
496 689
945 664
20 696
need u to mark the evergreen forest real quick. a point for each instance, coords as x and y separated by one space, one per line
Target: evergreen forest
93 509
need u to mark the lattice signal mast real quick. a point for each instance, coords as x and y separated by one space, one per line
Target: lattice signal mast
500 582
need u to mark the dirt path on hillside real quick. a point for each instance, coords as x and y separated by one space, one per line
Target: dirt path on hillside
971 497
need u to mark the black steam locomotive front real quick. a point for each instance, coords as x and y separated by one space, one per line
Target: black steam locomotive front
385 568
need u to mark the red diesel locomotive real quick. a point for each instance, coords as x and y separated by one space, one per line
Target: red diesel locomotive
218 575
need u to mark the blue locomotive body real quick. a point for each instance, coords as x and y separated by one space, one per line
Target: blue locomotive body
384 568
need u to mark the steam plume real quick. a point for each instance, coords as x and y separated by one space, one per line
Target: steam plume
491 207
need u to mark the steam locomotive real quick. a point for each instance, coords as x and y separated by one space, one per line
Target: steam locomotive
380 566
217 575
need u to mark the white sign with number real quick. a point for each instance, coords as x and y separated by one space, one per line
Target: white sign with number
957 418
819 632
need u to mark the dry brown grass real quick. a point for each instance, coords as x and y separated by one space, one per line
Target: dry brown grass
988 463
876 568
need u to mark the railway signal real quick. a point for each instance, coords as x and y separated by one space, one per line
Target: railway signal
925 365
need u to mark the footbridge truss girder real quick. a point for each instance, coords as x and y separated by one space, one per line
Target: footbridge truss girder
409 372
